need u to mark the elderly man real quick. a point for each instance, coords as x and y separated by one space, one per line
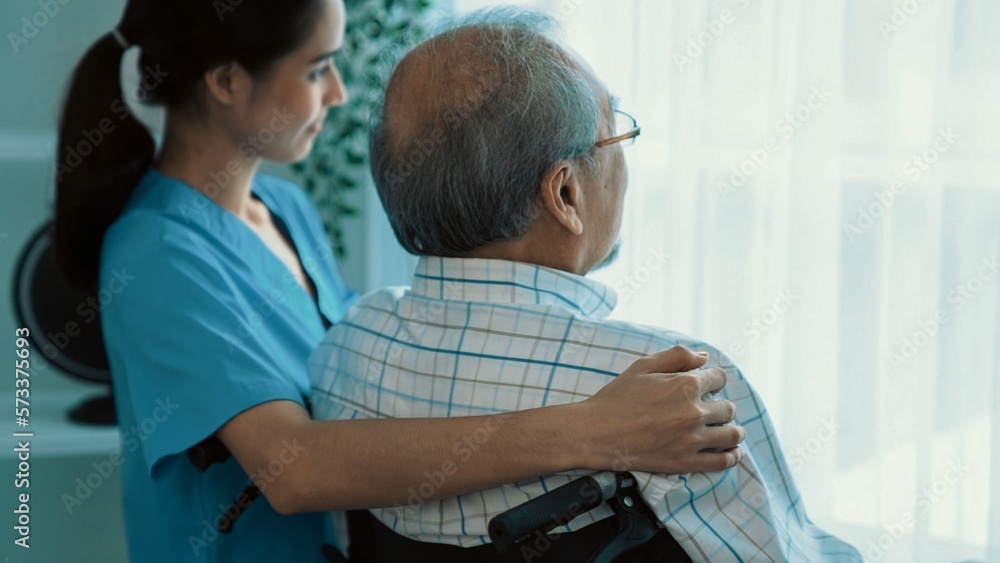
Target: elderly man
499 160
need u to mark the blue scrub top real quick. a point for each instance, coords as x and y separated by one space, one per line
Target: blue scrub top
201 322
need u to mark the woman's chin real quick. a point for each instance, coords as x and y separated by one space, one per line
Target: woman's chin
302 154
293 153
305 146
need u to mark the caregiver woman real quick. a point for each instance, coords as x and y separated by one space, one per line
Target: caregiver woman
230 284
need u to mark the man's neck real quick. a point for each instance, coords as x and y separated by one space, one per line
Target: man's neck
528 251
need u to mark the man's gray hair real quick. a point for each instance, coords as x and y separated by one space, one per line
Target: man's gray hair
469 175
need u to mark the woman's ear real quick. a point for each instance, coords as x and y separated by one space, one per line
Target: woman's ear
228 84
562 196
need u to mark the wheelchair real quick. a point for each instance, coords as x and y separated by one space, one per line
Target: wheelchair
523 534
520 535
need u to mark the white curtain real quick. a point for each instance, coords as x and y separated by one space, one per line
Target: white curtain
816 191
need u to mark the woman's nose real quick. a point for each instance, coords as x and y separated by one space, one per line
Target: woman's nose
336 93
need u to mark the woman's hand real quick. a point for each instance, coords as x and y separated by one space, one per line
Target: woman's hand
654 418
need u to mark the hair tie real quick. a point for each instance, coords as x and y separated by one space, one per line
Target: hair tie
117 34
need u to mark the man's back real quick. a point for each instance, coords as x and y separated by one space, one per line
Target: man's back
478 337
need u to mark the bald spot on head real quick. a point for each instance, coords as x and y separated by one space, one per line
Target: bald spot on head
450 76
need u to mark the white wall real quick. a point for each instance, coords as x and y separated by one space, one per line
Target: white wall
35 73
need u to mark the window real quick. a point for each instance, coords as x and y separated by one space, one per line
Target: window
816 192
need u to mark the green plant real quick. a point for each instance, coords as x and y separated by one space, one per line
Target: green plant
376 32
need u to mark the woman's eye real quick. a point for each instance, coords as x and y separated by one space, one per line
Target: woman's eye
321 71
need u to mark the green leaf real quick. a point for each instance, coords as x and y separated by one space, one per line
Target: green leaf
376 32
347 211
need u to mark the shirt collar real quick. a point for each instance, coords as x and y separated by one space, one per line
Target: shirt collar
504 281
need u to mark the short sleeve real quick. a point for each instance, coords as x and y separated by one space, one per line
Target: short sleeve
179 347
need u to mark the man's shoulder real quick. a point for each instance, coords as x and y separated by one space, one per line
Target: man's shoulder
398 301
379 304
601 344
647 338
380 298
618 343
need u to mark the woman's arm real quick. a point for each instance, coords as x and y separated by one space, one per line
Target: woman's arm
645 420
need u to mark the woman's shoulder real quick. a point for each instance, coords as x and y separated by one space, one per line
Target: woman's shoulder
155 244
162 213
160 226
159 208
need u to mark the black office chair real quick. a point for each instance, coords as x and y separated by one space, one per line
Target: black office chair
64 325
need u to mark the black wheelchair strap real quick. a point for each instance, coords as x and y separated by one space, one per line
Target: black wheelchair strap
641 537
373 542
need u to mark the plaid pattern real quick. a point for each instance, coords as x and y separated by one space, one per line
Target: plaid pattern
476 337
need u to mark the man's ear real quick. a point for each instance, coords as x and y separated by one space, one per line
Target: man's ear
228 84
562 196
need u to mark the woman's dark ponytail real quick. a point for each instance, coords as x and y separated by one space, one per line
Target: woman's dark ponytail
102 154
104 151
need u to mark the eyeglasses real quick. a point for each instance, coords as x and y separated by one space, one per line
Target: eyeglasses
626 130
